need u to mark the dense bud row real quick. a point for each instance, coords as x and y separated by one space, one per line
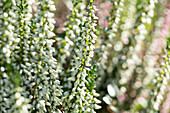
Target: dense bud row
31 69
79 80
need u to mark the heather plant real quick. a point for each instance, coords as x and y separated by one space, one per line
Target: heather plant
112 56
123 76
29 70
78 77
14 97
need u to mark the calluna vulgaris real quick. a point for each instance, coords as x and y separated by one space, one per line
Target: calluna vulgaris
112 56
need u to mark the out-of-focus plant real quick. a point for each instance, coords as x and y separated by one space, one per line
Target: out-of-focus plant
123 75
160 81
